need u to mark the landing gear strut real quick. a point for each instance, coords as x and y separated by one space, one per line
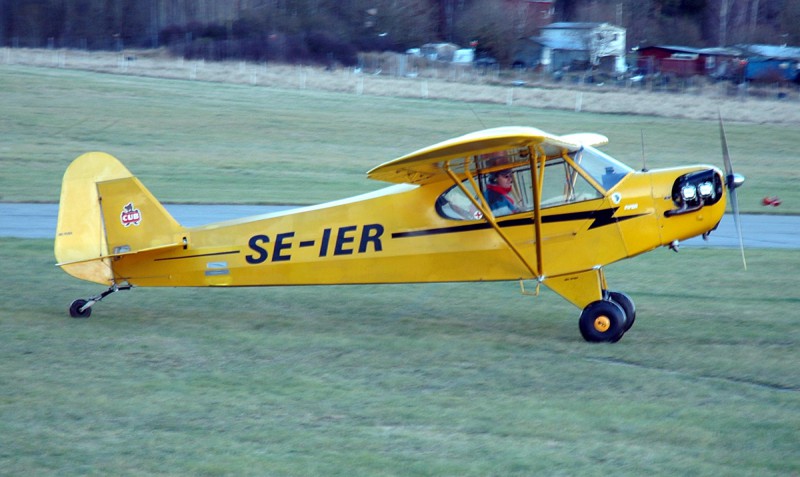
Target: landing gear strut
83 308
608 319
627 305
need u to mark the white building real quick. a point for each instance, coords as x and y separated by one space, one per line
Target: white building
567 45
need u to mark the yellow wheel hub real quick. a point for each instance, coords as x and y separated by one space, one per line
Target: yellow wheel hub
602 323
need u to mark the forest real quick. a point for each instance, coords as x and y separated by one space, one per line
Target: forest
334 31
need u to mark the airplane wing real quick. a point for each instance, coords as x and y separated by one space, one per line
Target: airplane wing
428 164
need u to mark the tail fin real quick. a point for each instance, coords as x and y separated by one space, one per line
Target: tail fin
106 212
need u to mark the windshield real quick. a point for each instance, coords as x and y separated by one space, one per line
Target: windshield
603 168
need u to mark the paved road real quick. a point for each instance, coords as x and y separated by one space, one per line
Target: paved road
25 220
39 221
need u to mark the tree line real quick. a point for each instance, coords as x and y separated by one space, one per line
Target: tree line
326 31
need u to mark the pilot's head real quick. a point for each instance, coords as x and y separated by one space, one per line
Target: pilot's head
501 177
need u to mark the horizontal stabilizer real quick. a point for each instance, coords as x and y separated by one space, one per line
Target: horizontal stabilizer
122 253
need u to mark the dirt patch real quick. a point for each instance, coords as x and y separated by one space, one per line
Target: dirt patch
453 83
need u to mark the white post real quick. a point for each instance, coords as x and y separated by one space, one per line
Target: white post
579 102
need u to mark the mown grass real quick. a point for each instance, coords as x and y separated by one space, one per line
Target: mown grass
193 141
443 379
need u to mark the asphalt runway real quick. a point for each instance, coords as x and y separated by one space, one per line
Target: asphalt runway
25 220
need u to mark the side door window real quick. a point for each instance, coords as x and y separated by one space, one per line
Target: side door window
505 191
564 185
508 191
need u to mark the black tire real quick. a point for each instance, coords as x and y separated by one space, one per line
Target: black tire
627 305
602 321
75 309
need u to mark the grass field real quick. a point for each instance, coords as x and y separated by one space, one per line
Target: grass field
449 379
427 380
193 141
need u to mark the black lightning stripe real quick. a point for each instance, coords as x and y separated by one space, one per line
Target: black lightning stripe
601 218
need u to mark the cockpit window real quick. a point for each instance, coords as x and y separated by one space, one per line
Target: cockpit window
505 183
603 168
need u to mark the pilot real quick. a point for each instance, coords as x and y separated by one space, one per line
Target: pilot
498 193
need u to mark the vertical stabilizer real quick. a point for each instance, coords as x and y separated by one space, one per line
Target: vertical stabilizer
105 211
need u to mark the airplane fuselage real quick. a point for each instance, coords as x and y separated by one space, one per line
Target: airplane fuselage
396 236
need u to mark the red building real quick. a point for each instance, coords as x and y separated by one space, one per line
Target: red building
685 61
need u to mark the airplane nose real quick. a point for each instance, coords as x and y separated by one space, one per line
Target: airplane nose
734 181
694 190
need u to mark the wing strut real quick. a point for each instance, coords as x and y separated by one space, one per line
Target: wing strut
537 180
483 207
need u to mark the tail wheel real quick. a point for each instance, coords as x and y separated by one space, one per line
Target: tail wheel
602 321
75 309
627 305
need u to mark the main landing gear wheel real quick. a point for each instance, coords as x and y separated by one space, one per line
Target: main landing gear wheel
602 321
625 302
75 309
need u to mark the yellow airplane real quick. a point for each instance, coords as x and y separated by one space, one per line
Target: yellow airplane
511 203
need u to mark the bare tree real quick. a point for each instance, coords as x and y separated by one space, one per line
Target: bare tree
492 25
790 23
392 24
405 22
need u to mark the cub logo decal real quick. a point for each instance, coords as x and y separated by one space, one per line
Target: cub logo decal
130 215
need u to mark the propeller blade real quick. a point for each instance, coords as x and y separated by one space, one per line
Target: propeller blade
737 222
732 181
726 157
